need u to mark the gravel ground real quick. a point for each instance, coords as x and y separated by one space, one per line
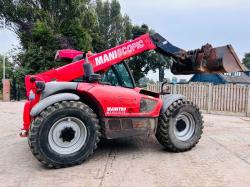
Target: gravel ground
222 158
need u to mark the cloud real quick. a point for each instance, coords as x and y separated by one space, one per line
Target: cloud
191 23
205 3
185 4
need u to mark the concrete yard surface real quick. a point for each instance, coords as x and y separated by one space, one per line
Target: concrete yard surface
222 158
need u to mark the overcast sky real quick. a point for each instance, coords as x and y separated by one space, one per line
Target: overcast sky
186 23
191 23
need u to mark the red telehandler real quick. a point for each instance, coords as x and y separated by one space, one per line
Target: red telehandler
70 108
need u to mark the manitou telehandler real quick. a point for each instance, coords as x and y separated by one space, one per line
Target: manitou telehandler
70 108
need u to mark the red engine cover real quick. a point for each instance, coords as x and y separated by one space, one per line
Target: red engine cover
117 101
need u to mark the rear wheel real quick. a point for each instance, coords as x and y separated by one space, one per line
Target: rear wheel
64 134
180 127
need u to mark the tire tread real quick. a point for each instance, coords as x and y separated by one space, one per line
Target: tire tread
162 132
34 130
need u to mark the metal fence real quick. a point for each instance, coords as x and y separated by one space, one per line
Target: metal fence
225 98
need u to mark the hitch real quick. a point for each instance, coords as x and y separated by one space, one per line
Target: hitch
23 133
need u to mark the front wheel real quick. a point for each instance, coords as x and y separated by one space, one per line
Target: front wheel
180 127
64 134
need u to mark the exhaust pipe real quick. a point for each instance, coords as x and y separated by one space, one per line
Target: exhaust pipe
207 60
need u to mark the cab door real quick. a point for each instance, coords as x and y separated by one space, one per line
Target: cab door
119 96
119 75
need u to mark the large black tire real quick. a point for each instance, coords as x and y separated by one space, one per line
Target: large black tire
180 127
43 130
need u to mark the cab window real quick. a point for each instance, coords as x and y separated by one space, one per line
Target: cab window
110 78
118 75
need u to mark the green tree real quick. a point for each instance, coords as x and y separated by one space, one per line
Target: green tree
114 28
43 27
246 60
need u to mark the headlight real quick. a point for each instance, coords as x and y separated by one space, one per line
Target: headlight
147 105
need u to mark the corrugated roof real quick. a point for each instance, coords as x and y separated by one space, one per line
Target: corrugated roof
242 79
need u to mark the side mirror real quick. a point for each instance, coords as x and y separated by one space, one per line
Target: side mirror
165 88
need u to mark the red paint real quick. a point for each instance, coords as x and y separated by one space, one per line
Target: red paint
26 115
119 97
67 53
74 70
125 101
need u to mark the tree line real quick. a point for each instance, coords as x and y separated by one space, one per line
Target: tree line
246 60
43 27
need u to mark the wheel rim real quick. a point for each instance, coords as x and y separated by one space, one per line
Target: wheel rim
184 126
67 135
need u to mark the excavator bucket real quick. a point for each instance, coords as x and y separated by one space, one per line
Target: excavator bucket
208 60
